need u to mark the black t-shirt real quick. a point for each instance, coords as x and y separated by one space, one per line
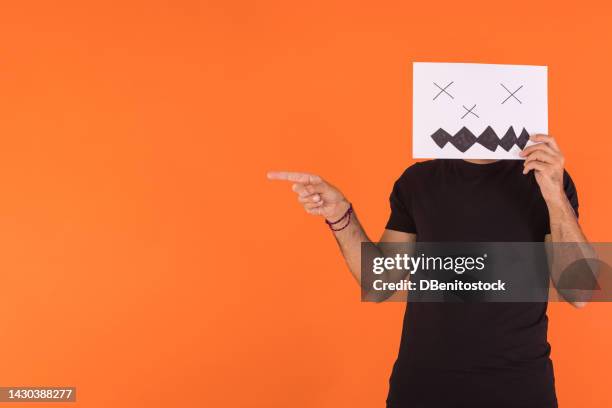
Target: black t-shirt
472 354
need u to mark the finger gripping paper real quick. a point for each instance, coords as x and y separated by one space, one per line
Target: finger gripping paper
477 111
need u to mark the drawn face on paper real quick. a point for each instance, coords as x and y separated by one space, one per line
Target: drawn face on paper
477 111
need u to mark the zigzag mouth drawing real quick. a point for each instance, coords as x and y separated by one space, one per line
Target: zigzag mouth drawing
464 139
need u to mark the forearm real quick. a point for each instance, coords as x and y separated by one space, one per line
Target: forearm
569 245
564 225
349 240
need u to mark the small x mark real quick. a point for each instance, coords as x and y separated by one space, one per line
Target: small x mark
468 111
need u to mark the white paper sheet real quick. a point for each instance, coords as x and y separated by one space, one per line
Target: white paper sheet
454 96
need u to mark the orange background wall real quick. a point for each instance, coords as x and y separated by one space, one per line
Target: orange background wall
145 258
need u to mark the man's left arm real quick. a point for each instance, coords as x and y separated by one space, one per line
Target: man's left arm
547 162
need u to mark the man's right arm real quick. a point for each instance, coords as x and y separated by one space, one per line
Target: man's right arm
320 198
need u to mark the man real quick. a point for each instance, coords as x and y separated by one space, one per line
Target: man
466 354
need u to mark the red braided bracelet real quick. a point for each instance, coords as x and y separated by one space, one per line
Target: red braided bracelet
347 214
348 221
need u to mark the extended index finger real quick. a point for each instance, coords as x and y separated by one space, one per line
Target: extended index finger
296 177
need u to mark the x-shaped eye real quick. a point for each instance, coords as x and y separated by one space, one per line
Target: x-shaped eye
443 90
512 94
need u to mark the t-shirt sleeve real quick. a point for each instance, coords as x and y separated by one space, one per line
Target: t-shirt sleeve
570 191
401 218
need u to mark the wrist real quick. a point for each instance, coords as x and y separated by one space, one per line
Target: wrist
340 210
